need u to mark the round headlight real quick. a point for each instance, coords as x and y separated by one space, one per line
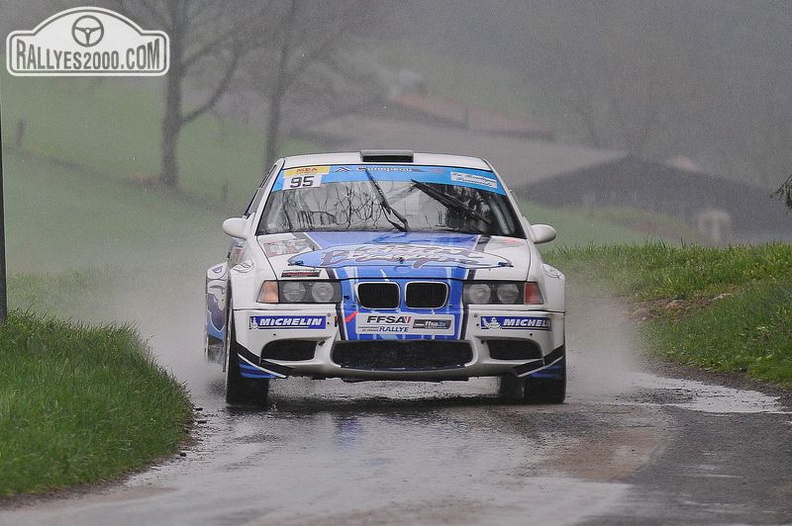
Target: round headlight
508 293
478 293
322 292
293 291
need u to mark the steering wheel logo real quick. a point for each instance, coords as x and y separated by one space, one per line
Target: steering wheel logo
87 31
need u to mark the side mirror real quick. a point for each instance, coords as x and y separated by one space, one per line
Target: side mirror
543 233
236 227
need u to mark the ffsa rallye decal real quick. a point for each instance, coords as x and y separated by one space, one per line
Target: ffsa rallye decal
404 324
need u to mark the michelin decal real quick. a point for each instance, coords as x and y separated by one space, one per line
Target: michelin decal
288 322
515 322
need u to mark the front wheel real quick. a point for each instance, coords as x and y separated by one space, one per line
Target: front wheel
241 390
546 387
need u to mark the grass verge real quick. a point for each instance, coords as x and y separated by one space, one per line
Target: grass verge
603 226
81 405
112 127
727 310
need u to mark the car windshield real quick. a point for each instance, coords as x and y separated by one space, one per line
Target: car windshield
372 199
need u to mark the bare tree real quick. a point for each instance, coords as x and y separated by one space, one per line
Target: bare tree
622 85
208 39
785 192
314 67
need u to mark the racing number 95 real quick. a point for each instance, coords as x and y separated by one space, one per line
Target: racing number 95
303 181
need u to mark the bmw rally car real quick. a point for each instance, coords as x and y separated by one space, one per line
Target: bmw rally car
386 265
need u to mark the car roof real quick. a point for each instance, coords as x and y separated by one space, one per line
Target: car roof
399 157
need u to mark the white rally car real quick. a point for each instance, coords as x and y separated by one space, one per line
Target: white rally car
386 265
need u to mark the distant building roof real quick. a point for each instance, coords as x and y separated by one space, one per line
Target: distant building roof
634 182
454 113
518 161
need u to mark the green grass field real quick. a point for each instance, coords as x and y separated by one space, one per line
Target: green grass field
581 227
113 128
60 218
726 310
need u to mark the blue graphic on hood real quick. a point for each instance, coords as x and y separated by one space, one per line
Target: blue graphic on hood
414 250
415 256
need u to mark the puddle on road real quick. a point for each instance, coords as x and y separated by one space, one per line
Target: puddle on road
699 396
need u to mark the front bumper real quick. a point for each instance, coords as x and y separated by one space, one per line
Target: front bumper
316 341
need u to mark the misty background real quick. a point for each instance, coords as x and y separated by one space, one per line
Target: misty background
707 80
681 108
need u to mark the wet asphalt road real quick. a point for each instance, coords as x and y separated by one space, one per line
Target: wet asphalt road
663 451
628 447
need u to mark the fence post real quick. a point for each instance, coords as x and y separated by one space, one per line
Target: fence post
3 295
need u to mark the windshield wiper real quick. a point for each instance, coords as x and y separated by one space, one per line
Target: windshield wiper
404 226
450 202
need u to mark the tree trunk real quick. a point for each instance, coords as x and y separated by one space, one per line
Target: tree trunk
173 122
171 129
273 126
279 90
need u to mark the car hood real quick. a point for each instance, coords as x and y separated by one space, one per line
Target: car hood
407 254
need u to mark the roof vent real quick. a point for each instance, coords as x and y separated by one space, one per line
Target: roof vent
387 156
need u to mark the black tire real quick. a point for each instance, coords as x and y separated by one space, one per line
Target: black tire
241 390
511 389
546 390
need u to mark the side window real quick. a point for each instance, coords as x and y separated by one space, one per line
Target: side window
251 208
259 195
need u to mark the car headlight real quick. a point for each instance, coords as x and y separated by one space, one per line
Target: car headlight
324 292
507 293
477 293
502 292
293 292
299 292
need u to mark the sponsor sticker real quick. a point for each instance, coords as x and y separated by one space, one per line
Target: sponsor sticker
304 177
307 170
434 324
516 322
300 273
405 324
388 169
479 180
288 322
552 272
244 267
384 323
286 246
87 41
